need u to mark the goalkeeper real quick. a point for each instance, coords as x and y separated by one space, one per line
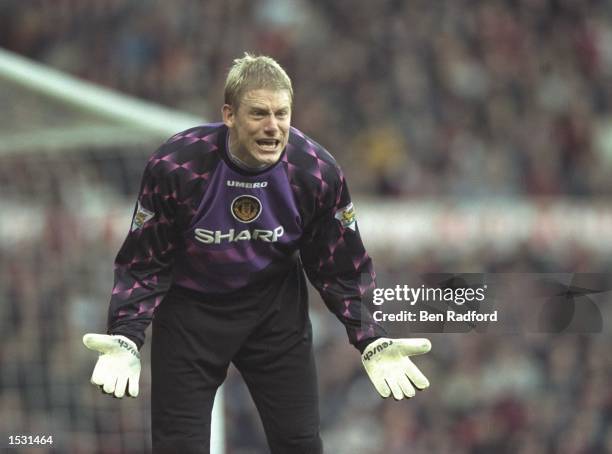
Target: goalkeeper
228 218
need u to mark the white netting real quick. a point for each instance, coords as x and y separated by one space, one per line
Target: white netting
68 179
58 214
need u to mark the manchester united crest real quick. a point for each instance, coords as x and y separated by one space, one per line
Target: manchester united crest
246 208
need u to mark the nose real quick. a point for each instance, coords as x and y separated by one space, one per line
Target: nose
271 125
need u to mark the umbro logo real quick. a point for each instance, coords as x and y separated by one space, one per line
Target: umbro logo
246 184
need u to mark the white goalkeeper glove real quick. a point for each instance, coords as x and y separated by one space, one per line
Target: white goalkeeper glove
387 362
118 365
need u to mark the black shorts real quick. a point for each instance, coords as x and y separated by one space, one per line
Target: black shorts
266 333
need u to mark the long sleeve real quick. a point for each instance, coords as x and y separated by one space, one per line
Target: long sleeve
339 267
143 264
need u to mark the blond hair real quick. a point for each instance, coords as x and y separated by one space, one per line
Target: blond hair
252 73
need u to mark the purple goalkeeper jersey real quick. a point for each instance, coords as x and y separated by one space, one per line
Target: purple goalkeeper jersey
203 223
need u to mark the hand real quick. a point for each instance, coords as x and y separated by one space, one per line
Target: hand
387 362
118 365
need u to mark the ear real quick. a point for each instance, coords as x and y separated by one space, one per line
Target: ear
228 115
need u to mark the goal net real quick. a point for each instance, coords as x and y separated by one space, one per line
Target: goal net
71 159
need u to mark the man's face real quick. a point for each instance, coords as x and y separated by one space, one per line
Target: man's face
259 126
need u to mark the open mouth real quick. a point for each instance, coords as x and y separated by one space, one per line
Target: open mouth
268 144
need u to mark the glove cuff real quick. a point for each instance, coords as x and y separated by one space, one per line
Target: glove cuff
137 342
363 343
127 344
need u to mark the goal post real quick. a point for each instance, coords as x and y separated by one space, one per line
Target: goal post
115 106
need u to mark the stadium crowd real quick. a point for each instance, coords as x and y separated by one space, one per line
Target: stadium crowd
463 98
506 97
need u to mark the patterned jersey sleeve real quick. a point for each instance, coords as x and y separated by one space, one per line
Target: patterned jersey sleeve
339 267
143 264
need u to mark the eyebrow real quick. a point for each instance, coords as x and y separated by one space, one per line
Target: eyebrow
258 109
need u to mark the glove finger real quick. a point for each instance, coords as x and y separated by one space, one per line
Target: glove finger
133 385
99 342
415 375
120 387
406 386
110 384
396 390
412 347
100 372
381 386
